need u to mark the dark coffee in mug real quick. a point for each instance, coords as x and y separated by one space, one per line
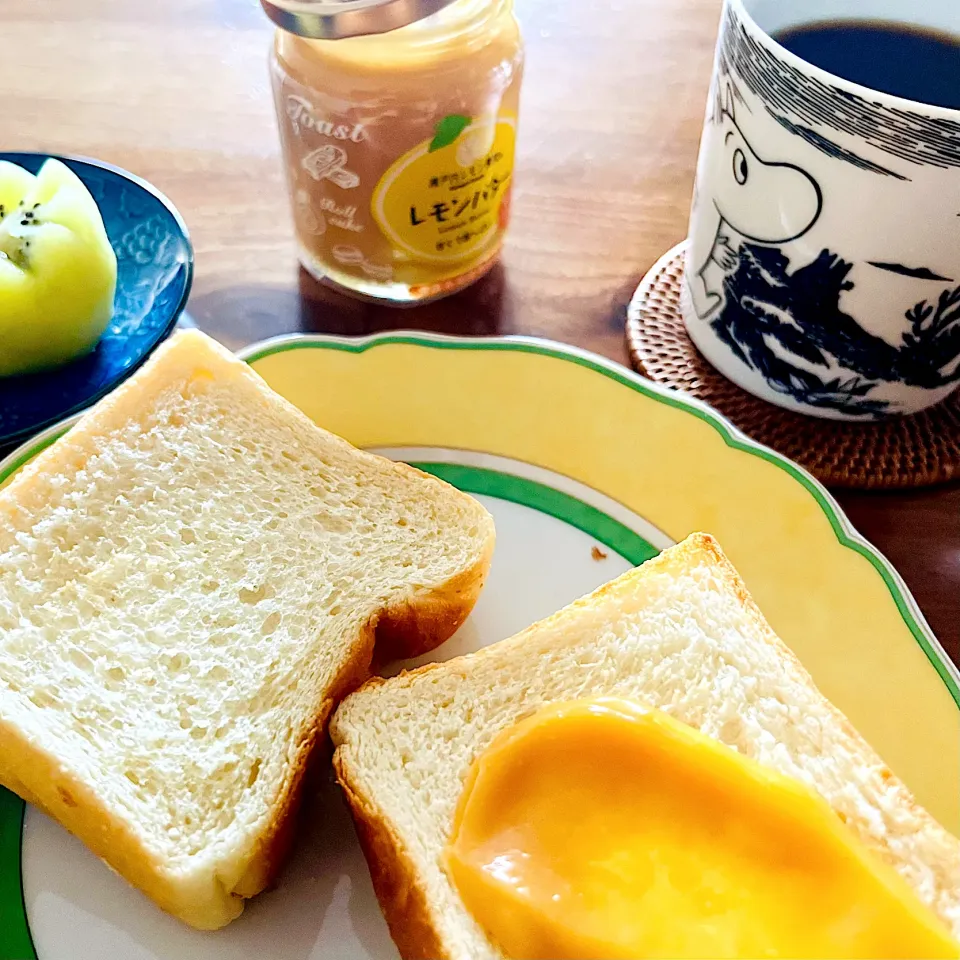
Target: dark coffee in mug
895 58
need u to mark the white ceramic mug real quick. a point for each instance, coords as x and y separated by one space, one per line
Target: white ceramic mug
823 267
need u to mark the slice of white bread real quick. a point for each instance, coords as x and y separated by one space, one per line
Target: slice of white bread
189 580
679 633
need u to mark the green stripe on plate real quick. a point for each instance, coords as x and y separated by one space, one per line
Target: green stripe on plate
492 483
15 940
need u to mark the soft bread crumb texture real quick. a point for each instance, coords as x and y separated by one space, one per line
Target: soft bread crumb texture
185 581
679 633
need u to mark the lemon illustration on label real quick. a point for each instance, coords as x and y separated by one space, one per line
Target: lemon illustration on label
446 199
476 142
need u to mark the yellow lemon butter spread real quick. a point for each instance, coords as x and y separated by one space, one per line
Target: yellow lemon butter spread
601 829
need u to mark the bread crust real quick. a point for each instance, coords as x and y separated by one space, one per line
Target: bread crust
423 620
404 627
396 882
442 611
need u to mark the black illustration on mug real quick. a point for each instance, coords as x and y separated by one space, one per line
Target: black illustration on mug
788 325
738 206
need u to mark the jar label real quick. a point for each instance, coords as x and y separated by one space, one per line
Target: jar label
447 199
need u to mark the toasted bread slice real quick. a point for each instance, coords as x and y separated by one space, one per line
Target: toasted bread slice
679 633
189 580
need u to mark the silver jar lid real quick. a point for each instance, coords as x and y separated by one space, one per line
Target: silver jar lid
338 19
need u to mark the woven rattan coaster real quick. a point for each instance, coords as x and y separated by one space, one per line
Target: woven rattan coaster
900 452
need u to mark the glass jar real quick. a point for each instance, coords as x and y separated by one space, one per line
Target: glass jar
399 149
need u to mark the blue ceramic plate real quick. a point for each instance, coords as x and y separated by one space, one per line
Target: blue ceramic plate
154 272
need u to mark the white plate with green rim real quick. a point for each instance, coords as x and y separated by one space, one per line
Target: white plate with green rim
587 469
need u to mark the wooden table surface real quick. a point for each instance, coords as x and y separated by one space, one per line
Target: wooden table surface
612 107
